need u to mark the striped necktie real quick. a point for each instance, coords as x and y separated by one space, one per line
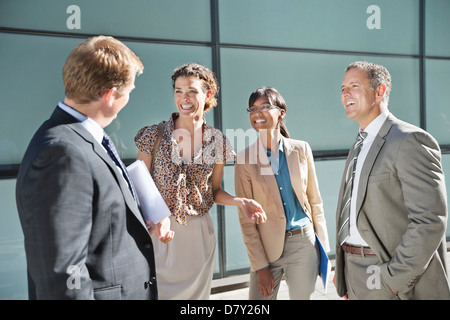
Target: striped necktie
344 230
112 152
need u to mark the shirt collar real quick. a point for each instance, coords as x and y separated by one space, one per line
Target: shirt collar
93 127
375 126
74 113
280 148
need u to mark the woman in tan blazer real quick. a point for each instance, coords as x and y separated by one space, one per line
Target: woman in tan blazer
279 173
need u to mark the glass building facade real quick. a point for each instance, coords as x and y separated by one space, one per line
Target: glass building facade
300 47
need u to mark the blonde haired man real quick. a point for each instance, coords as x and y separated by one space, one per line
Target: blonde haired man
84 234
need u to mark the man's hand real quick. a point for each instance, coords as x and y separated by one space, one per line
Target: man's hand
334 281
162 229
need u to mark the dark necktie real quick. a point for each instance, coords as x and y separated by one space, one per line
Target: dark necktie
112 152
344 230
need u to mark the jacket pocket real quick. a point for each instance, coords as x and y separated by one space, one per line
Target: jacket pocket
379 177
108 293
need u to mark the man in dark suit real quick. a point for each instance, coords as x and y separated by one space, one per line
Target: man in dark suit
84 234
391 241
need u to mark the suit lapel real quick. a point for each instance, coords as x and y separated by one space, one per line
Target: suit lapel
264 168
370 160
366 169
86 135
293 162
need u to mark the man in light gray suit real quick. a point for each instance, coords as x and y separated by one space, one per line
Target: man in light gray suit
84 234
391 232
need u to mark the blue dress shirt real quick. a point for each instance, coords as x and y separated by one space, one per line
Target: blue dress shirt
295 216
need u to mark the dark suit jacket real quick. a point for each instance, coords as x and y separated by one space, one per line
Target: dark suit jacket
84 234
402 212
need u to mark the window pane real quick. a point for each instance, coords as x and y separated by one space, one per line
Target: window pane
310 84
437 99
349 25
31 81
236 252
329 174
174 19
437 28
33 86
214 218
13 270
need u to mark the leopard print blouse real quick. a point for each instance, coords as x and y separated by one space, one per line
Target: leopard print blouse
185 186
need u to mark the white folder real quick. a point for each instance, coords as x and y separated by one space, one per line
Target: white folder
152 203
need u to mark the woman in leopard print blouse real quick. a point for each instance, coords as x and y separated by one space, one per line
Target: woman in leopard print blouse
187 170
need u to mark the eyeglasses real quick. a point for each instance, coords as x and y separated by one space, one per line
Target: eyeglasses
264 107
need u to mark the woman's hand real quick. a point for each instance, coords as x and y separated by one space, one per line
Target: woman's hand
253 211
265 282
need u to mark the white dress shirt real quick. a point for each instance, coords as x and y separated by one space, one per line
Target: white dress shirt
372 131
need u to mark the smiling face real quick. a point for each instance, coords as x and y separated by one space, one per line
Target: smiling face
189 97
265 120
359 100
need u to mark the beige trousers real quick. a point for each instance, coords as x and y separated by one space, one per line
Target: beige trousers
299 263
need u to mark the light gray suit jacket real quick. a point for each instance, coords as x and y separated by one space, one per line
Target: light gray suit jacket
402 212
84 234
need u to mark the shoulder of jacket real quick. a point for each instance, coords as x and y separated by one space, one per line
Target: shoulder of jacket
297 144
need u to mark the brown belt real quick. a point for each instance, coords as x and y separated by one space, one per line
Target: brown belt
290 233
363 251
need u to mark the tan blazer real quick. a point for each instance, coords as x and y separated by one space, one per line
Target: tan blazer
402 212
254 179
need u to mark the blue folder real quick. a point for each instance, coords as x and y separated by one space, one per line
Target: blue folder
325 265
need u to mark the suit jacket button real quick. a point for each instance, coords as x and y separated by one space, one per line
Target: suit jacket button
147 246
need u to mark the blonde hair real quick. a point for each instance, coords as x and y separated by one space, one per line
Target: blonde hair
203 73
97 65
